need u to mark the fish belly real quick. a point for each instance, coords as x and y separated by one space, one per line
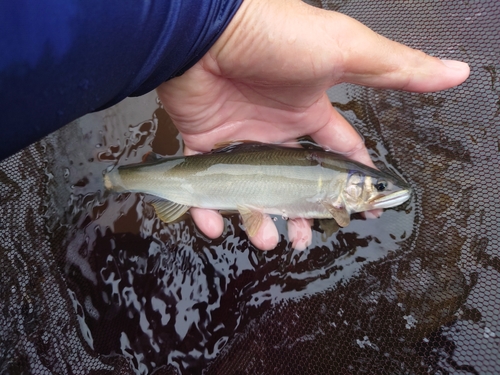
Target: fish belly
293 191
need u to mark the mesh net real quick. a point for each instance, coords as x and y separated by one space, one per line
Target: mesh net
92 283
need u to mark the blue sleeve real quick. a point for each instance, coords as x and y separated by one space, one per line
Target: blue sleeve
60 59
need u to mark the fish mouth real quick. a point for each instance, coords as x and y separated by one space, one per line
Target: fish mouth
391 200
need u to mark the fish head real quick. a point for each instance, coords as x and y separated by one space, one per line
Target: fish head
371 189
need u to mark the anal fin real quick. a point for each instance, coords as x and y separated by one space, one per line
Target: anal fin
252 219
168 211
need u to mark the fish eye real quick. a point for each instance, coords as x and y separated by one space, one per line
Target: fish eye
381 185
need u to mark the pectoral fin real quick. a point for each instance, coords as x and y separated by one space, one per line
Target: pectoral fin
328 226
252 219
168 211
339 213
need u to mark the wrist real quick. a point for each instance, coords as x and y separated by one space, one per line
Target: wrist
253 37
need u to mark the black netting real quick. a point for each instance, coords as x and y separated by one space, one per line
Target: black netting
95 283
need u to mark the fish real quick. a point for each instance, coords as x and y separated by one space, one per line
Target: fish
255 179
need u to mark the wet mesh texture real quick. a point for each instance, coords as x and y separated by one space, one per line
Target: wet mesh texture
84 292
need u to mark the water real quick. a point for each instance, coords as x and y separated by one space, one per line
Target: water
413 292
163 294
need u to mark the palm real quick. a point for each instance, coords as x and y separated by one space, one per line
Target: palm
265 80
221 109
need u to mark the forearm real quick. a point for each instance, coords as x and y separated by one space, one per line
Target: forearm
62 59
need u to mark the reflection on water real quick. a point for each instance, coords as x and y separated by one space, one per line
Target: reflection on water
163 294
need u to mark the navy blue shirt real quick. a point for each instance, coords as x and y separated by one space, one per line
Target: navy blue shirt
60 59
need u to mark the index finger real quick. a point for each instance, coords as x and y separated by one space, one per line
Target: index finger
369 59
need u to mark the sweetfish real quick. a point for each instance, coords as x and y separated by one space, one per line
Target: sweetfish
256 179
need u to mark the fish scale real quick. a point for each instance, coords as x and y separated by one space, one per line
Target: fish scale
257 178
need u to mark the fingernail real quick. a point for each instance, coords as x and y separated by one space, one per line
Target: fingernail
299 233
267 237
454 64
373 214
271 239
301 244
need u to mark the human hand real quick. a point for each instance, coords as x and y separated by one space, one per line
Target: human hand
265 80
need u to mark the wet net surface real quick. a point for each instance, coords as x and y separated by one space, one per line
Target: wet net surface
95 283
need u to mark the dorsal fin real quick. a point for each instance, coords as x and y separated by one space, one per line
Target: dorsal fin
151 157
245 145
225 144
309 144
235 145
